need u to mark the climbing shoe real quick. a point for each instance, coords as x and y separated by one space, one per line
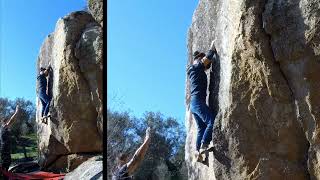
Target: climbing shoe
44 120
204 148
199 157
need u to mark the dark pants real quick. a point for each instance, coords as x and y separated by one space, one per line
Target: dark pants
45 101
6 165
6 161
205 120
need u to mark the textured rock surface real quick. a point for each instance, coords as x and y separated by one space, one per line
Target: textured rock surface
96 9
89 53
91 169
75 105
267 93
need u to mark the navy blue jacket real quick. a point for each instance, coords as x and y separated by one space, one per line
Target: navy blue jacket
198 78
42 83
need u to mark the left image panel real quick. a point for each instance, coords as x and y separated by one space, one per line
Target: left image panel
51 115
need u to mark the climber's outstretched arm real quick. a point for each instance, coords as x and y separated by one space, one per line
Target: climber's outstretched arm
139 154
49 69
13 117
211 55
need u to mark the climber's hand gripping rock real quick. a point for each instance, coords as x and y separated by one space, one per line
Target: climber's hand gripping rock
211 56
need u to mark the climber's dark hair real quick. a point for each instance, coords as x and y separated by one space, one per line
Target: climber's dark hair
42 69
197 55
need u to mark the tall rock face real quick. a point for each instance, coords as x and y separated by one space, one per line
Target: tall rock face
74 131
265 87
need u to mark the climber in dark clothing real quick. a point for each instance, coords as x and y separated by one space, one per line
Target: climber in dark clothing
6 140
42 92
198 87
126 168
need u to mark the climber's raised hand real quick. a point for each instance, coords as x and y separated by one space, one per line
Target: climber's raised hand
139 154
148 132
212 46
13 118
17 109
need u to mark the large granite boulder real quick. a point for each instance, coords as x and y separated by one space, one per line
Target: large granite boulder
90 169
74 52
265 88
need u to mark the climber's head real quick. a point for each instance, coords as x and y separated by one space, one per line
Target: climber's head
122 159
197 56
44 71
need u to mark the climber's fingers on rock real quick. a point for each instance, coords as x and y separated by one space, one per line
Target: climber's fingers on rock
17 108
212 45
148 132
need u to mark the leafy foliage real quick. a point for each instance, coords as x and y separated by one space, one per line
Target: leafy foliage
25 123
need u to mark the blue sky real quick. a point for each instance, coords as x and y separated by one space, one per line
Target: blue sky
147 55
24 25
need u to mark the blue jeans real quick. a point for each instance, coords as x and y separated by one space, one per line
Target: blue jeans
45 101
204 119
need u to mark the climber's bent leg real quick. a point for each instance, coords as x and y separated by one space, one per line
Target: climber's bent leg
196 108
208 118
202 110
201 129
46 99
43 107
46 111
207 136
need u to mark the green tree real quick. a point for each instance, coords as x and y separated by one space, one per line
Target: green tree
166 146
125 134
120 136
25 123
4 109
27 117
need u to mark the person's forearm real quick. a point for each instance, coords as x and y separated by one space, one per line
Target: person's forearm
138 156
12 119
211 55
47 88
142 149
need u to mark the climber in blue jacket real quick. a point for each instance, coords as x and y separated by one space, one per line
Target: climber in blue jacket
203 116
42 92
